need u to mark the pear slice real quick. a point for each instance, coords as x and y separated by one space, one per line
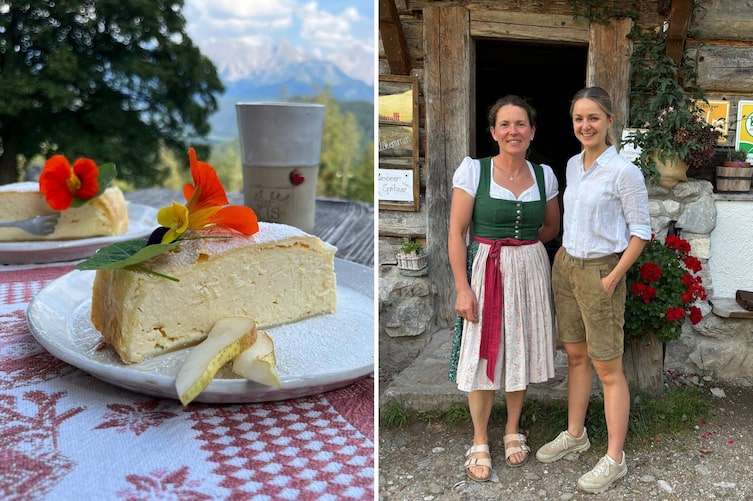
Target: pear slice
257 363
227 338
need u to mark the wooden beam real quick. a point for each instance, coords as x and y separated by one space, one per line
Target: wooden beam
609 65
528 26
679 21
448 93
393 38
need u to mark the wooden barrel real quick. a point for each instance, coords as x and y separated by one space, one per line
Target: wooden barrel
733 179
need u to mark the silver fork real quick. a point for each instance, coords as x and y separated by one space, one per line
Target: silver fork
37 225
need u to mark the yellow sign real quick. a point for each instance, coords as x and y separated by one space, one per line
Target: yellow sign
397 108
744 139
716 114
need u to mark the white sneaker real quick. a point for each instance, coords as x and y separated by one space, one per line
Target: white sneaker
606 472
563 445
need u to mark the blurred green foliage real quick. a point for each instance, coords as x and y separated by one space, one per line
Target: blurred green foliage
112 81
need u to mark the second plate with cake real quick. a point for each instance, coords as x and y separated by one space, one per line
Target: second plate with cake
142 221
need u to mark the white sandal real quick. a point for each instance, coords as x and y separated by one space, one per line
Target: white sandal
512 450
473 461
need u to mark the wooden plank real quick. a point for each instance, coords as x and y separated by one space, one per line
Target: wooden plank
609 65
448 84
727 307
528 26
728 20
402 224
393 38
724 68
679 21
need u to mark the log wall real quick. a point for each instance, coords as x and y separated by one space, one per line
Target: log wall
720 40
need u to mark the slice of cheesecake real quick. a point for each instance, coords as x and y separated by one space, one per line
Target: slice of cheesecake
105 215
276 276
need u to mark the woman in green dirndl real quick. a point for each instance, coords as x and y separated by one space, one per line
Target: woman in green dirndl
504 336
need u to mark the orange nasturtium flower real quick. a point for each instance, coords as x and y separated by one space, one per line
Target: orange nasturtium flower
207 206
60 183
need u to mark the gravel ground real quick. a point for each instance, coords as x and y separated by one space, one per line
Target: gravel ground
714 460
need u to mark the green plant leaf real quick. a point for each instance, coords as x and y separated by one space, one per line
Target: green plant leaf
107 173
124 254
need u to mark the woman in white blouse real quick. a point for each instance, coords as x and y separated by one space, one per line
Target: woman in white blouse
606 224
504 329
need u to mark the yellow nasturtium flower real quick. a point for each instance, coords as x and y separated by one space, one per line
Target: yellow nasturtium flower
175 217
205 207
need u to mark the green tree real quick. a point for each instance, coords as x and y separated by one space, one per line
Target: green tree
110 80
343 156
361 186
226 160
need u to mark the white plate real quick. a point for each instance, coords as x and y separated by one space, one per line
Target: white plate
314 355
142 220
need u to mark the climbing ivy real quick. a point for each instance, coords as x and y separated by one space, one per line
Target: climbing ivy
602 11
656 83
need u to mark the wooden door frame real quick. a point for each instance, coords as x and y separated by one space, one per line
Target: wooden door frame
449 93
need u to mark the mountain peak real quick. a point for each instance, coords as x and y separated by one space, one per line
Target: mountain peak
238 60
266 72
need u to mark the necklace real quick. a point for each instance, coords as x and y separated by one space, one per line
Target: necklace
510 176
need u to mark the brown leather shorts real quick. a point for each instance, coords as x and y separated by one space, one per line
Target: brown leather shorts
584 310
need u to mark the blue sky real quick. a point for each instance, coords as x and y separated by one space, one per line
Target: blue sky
336 30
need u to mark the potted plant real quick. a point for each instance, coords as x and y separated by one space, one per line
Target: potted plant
671 133
676 139
736 158
734 175
410 255
663 285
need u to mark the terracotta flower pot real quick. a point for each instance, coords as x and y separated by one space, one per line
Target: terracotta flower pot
733 163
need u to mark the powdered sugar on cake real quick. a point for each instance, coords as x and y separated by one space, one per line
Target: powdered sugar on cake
221 240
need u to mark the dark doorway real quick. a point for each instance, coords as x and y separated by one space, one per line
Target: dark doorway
547 76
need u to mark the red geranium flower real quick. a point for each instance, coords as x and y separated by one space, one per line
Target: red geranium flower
60 183
674 314
662 307
646 292
695 314
677 243
650 272
692 263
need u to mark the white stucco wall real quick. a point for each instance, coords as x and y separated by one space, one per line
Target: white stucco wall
731 261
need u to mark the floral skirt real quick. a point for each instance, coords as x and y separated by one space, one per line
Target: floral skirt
527 347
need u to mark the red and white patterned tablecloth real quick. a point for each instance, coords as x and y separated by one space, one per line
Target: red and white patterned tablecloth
67 435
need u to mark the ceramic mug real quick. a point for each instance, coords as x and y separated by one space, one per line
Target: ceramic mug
280 147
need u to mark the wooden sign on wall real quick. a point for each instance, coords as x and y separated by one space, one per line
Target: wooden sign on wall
398 178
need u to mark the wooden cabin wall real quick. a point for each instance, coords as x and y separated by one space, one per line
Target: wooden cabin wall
721 44
515 20
720 41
